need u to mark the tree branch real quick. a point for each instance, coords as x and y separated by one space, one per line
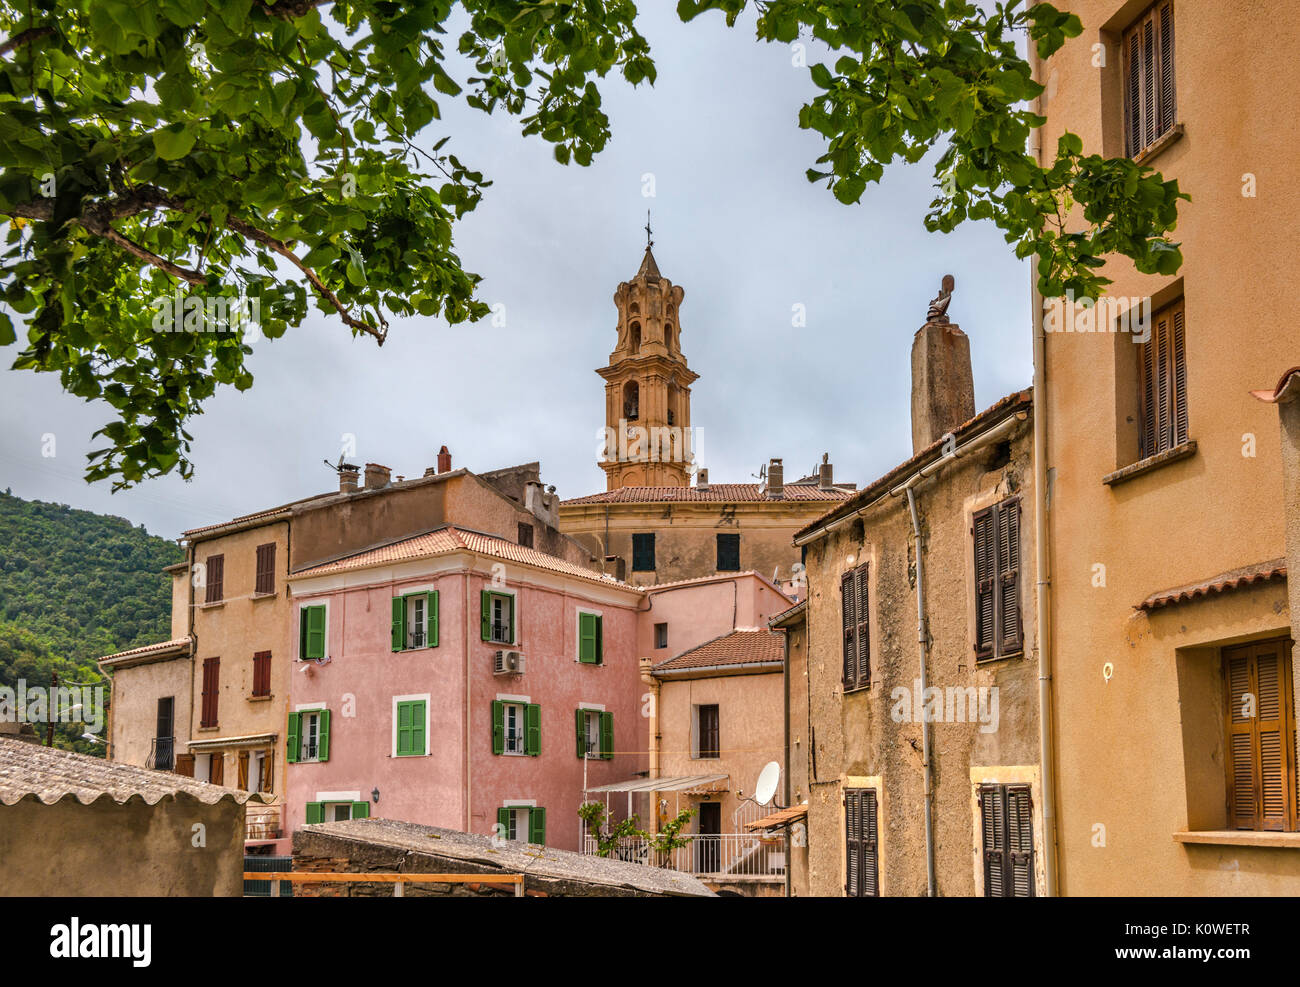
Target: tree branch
25 38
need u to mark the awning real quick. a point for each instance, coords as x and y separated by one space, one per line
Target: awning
702 783
225 743
783 817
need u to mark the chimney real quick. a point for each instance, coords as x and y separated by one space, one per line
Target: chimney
775 479
444 460
825 474
377 476
943 388
701 479
615 566
348 476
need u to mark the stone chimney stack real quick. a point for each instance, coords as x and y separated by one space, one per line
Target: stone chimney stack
775 479
943 388
444 460
348 476
701 479
377 476
825 473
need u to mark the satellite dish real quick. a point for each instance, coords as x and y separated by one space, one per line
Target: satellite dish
767 780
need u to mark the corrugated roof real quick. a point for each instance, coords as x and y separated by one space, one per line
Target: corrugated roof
146 650
446 540
677 783
1232 579
732 648
778 819
717 493
51 775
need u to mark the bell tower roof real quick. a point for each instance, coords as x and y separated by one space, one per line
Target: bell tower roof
649 270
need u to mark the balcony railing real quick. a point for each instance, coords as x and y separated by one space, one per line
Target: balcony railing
162 754
709 854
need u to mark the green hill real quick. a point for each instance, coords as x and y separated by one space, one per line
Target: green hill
74 586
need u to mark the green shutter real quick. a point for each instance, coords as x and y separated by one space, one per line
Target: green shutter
314 638
514 631
587 638
417 727
533 729
315 812
360 810
431 610
323 746
606 736
498 726
302 633
580 723
503 820
403 729
410 728
295 737
399 623
537 826
485 615
600 639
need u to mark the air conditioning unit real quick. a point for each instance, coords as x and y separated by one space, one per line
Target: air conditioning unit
508 663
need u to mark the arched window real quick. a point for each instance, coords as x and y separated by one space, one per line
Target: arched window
634 337
631 401
668 334
672 403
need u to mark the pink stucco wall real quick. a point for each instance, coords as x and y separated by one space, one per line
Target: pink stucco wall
701 611
445 788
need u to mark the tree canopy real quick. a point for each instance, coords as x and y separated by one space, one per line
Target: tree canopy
264 153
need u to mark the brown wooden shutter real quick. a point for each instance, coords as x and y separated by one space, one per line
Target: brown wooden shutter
1241 739
1147 434
1168 102
862 870
853 843
214 573
1150 99
1261 749
1020 841
1133 92
863 629
1162 394
265 569
267 782
1009 623
1178 375
217 771
870 855
185 765
993 826
985 582
243 770
211 684
262 673
849 612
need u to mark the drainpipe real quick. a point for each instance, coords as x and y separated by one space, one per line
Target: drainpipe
1042 556
923 641
785 680
468 699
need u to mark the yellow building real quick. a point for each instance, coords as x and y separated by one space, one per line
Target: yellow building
1170 634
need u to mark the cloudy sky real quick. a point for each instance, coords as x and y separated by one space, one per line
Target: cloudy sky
736 224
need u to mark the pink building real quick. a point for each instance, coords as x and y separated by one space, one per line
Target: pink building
457 679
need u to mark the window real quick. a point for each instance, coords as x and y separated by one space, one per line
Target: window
707 734
216 768
164 745
728 553
1149 102
591 643
525 534
415 621
1007 822
516 728
631 400
308 736
1162 384
318 812
497 613
643 552
856 614
1261 736
862 871
410 726
265 585
311 633
211 693
265 771
214 576
262 673
595 734
517 822
996 532
661 636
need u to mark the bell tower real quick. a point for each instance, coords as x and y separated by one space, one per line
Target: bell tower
648 439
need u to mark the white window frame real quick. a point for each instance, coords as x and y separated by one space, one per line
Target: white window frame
577 634
297 628
409 602
393 713
514 637
521 728
515 805
302 726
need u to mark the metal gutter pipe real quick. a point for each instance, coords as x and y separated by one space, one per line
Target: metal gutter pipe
923 639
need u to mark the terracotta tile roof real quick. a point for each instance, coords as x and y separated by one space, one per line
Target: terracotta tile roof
147 649
782 817
1288 388
51 775
1012 403
732 648
242 519
1232 579
717 493
443 541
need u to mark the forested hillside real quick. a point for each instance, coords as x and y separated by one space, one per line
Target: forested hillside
75 586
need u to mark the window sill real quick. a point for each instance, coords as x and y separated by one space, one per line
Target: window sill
994 659
264 596
208 729
1240 837
1142 466
260 699
1154 149
214 605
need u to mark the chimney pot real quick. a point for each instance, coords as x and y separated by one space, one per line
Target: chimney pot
377 476
702 479
775 479
825 476
348 476
444 460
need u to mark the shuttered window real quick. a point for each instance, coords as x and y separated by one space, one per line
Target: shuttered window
211 686
1007 834
311 633
265 584
496 617
862 863
591 643
1261 736
709 731
214 573
643 552
995 532
1149 98
728 553
415 621
855 611
516 728
1162 382
410 728
262 673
